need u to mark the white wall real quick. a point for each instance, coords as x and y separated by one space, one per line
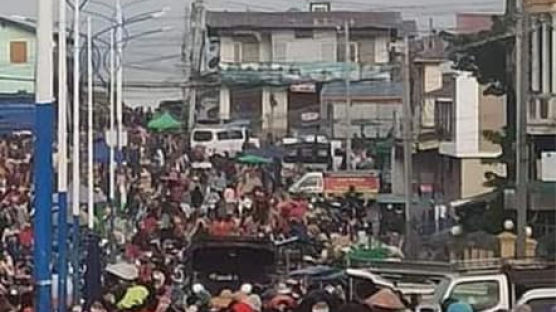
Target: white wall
433 77
382 117
224 109
320 48
466 108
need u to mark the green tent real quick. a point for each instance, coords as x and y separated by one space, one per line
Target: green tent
164 122
253 160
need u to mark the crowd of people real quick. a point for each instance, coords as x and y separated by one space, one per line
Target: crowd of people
169 196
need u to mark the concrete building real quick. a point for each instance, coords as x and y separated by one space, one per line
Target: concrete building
451 155
541 115
272 65
17 56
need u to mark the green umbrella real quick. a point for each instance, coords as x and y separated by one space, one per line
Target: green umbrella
164 122
253 160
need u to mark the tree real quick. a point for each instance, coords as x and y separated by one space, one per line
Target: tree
489 56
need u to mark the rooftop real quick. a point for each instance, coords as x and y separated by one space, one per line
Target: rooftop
358 20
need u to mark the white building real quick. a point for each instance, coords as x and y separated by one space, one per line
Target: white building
271 65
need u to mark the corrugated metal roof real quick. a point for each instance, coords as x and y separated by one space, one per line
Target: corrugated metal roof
363 89
16 23
224 19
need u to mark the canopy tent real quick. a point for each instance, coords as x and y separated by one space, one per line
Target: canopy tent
164 122
253 160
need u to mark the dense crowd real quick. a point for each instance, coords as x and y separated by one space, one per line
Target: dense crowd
169 196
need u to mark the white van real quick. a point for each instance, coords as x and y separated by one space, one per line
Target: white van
221 140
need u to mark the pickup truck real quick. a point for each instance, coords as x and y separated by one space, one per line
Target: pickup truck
501 290
330 184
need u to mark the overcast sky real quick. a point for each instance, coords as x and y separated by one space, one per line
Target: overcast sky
157 57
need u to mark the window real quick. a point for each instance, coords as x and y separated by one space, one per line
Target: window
533 109
280 50
304 34
223 135
310 182
542 304
202 136
480 295
543 110
237 52
354 52
250 52
18 52
444 120
235 135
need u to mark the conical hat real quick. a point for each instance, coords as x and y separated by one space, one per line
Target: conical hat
385 299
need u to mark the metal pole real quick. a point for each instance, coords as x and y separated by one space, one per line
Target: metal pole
348 96
76 175
112 168
522 87
119 99
43 170
90 182
119 75
407 146
62 159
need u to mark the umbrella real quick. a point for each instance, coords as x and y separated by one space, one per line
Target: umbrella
164 122
253 160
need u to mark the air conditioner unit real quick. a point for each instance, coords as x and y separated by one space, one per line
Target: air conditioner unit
548 166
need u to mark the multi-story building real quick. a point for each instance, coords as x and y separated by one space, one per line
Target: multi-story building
17 56
541 115
272 65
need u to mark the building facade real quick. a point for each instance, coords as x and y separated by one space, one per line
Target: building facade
17 57
541 115
273 66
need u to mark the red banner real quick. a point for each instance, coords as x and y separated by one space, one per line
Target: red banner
342 184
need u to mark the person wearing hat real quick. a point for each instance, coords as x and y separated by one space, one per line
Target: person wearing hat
385 300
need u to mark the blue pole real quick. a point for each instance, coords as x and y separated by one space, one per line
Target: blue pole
42 158
62 250
43 206
75 259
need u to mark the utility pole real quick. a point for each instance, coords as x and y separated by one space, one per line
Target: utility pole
186 59
407 145
90 181
76 174
348 95
522 98
62 159
196 42
43 170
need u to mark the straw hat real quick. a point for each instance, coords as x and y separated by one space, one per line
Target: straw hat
223 300
385 299
123 270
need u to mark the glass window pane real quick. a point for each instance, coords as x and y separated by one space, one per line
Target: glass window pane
202 136
480 295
